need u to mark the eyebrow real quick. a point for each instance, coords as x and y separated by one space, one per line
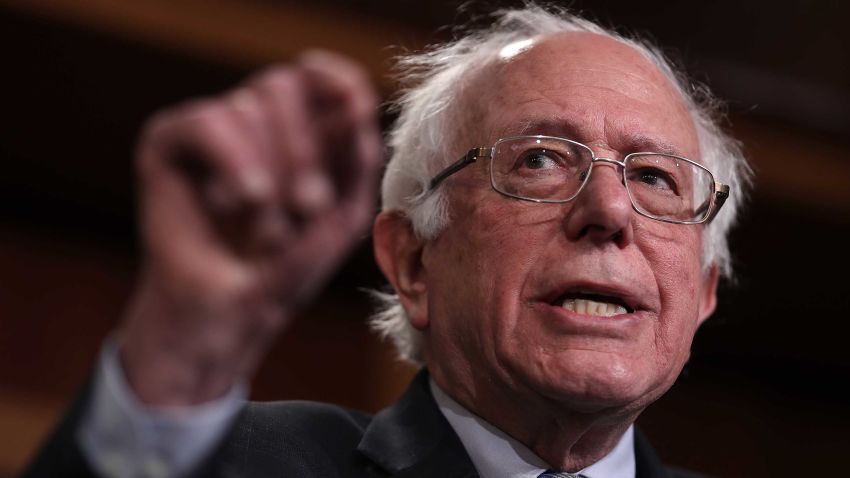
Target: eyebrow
550 126
555 126
644 143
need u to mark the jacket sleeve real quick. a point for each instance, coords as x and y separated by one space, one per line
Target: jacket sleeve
110 434
60 455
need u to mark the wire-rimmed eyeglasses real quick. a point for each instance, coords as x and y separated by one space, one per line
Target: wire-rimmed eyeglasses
549 169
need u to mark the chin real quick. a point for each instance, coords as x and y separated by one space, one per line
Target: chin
588 383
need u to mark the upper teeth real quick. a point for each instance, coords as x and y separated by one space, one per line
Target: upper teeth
591 307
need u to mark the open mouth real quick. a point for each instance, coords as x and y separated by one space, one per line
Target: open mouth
593 304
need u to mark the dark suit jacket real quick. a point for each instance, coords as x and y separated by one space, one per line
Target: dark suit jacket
306 439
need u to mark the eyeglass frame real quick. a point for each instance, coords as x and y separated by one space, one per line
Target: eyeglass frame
721 191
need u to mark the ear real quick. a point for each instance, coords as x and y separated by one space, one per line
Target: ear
399 255
708 293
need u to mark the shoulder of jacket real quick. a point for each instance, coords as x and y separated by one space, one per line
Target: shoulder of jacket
299 438
299 416
302 421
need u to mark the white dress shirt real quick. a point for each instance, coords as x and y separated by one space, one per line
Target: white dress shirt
497 455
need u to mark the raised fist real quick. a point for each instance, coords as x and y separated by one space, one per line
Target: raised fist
248 202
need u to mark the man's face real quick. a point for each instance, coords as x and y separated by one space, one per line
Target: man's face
497 278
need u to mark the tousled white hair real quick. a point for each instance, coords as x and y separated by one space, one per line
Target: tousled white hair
433 83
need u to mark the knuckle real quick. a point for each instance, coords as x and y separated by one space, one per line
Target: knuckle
194 115
203 118
192 127
276 80
242 101
346 75
334 64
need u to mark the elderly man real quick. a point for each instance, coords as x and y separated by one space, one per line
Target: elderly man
550 281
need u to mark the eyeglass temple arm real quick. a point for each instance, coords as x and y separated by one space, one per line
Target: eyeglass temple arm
721 192
461 163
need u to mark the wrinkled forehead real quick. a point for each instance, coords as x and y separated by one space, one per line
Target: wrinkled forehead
589 87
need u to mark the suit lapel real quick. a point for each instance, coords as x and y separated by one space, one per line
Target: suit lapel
413 439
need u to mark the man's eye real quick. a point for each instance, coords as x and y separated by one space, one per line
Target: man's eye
538 160
655 178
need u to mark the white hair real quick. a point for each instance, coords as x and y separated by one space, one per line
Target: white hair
434 81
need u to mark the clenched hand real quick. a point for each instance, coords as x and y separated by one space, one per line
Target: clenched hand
248 202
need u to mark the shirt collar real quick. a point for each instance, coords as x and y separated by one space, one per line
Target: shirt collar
497 455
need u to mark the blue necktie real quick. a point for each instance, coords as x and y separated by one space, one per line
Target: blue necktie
559 474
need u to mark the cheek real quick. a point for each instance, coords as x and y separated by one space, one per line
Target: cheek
485 257
507 239
673 253
678 273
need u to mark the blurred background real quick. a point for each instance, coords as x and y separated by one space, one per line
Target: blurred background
765 393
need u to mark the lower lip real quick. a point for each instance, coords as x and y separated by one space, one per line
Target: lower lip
567 321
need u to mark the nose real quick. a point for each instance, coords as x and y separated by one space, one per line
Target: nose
602 212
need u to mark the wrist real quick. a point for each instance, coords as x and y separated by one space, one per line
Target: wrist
174 354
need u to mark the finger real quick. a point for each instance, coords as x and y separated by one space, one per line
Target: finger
338 83
346 105
204 142
269 230
345 101
180 240
298 158
217 155
341 108
250 118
